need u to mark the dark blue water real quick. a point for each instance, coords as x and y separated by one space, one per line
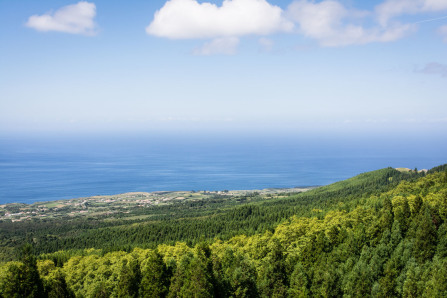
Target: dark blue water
52 168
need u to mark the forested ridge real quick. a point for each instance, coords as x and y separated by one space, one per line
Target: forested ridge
192 222
380 234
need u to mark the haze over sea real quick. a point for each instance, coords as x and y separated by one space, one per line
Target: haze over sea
57 167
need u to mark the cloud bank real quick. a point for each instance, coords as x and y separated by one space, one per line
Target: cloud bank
75 19
328 22
394 8
331 24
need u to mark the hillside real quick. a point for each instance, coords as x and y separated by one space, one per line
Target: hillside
128 223
382 233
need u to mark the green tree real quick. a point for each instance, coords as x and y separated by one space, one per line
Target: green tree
358 282
273 277
129 278
191 278
387 216
299 282
441 249
325 279
57 286
401 210
53 280
425 236
417 205
437 285
238 275
10 280
155 277
412 283
22 279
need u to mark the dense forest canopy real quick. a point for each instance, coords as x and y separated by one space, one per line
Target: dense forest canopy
382 233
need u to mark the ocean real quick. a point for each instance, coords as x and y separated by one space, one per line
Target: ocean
48 168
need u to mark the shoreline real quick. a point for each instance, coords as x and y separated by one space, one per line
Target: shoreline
106 205
264 191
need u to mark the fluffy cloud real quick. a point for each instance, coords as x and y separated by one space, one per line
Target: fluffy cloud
75 19
435 68
332 24
223 45
393 8
328 22
183 19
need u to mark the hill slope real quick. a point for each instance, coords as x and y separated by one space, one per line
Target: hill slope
192 221
366 236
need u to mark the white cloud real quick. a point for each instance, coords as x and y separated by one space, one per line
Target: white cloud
394 8
223 45
332 24
184 19
75 19
329 22
443 32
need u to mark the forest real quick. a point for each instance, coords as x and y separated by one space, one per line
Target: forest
379 234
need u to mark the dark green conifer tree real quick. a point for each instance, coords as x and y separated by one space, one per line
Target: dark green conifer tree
154 277
191 278
238 276
299 282
273 280
425 236
412 283
130 278
24 280
417 205
387 217
441 249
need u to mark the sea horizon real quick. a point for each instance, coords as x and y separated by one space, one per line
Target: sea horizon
56 167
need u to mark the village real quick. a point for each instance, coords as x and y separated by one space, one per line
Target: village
124 204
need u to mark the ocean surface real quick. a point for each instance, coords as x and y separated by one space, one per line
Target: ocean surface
63 167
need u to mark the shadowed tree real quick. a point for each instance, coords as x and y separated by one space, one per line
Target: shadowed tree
23 280
273 278
155 278
191 278
129 280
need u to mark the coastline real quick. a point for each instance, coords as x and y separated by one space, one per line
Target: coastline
100 205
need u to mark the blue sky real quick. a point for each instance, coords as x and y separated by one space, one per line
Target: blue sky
235 66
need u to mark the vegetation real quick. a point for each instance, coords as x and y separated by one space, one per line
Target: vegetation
381 234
